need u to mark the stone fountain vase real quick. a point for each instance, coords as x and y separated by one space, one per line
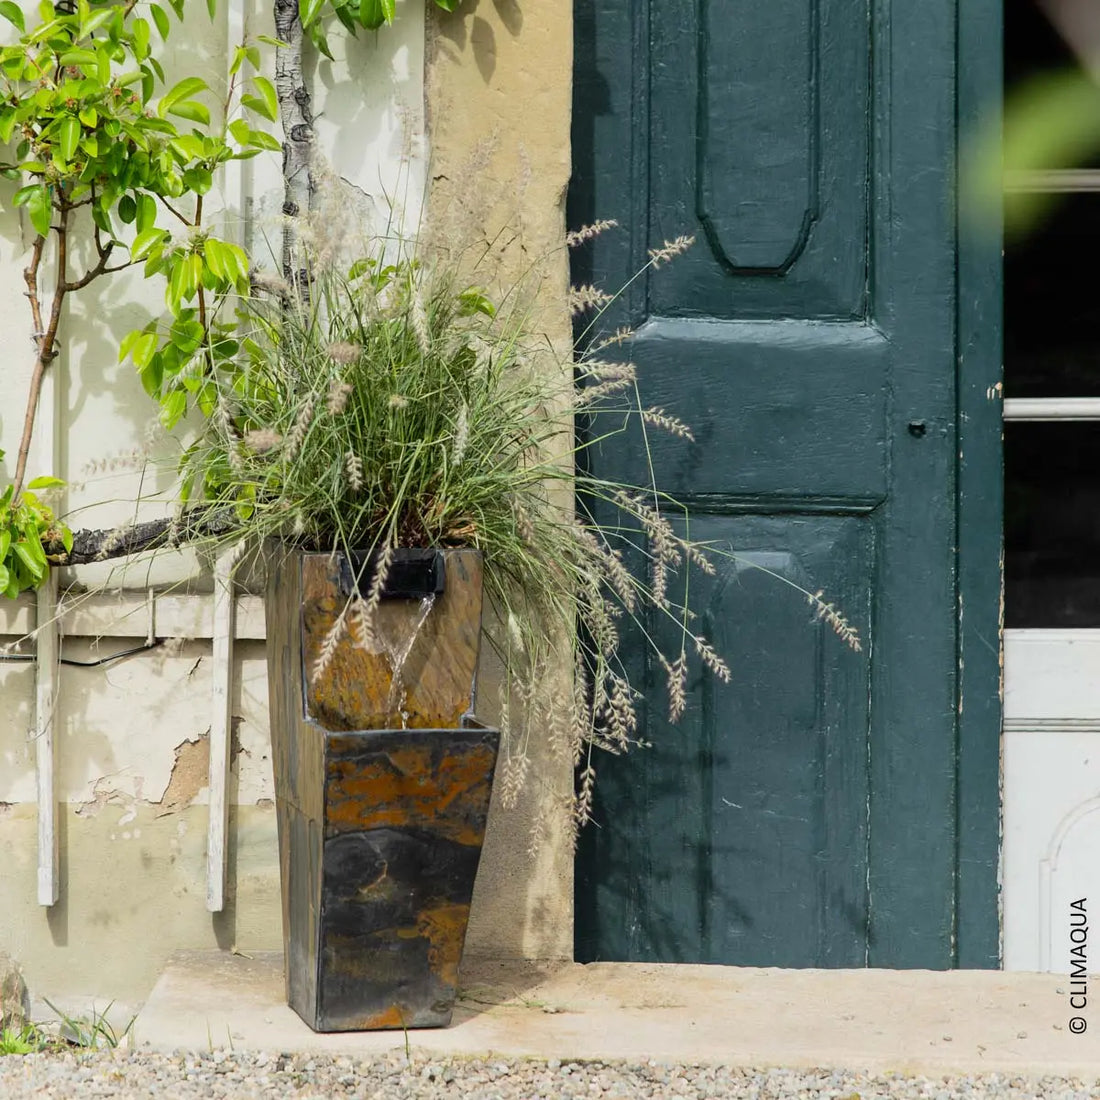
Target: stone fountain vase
382 784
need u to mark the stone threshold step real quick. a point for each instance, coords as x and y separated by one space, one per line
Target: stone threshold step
882 1020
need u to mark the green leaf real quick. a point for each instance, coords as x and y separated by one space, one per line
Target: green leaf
174 291
317 37
152 375
146 212
127 209
212 7
269 97
346 18
215 253
187 336
254 103
142 350
146 240
94 21
447 5
39 209
308 10
102 218
141 39
7 124
68 135
192 110
183 90
473 301
240 130
208 399
12 13
187 147
198 180
259 139
78 57
172 407
26 555
45 483
160 17
372 13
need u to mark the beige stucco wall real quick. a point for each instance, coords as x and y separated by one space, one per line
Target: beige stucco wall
132 736
499 85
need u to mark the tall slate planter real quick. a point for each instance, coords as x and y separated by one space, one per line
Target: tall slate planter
382 793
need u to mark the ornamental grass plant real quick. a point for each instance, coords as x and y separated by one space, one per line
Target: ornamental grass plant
387 404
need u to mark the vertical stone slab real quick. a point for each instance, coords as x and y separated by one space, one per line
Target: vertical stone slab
405 814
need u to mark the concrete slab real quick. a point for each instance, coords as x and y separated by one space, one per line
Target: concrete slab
906 1021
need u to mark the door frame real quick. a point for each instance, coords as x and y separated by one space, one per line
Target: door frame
980 500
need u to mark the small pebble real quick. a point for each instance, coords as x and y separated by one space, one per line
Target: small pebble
244 1075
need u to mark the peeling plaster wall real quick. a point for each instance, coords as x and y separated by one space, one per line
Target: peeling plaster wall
132 758
132 736
131 894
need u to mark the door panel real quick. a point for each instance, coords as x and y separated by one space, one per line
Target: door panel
794 410
804 814
760 115
763 781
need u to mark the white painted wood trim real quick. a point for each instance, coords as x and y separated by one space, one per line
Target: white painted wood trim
224 604
125 615
45 695
1058 181
1052 408
47 651
221 733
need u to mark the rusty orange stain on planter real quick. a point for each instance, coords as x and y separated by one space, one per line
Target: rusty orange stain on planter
354 690
445 929
371 793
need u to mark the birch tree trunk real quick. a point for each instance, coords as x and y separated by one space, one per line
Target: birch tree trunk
297 119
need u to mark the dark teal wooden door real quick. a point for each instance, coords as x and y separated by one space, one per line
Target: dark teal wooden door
807 813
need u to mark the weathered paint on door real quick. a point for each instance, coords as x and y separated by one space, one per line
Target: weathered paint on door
806 814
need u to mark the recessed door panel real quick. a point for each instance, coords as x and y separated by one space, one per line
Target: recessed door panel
758 118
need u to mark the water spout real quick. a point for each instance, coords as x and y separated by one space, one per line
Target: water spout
398 657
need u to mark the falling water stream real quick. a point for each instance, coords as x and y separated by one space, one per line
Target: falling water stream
398 695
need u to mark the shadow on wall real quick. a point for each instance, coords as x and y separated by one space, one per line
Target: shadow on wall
466 28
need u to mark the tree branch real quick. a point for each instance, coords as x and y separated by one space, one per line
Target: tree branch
100 268
169 207
297 118
156 534
46 339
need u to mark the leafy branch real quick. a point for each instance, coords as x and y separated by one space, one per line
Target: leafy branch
100 147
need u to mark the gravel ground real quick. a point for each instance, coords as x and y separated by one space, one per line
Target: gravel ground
242 1076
